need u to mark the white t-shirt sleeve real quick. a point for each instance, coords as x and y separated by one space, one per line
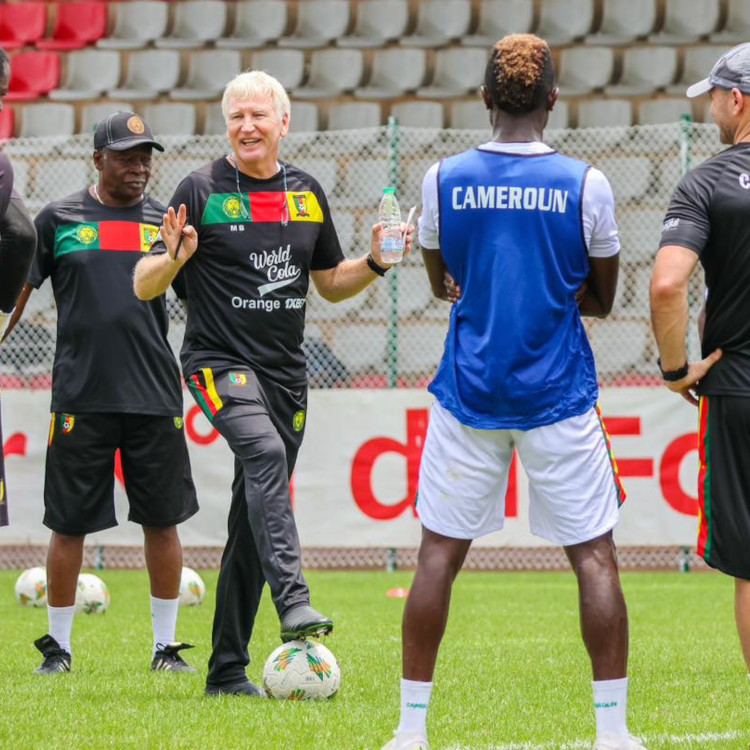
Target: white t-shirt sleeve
599 227
429 237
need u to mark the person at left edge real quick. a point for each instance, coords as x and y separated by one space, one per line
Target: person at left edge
17 245
115 384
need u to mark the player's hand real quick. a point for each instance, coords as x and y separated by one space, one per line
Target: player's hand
686 387
180 237
452 289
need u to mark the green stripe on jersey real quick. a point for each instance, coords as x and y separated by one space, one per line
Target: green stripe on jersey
70 238
226 208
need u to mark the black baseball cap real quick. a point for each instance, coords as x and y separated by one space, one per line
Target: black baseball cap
123 130
730 71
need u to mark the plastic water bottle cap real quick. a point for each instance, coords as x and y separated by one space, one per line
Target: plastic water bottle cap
389 190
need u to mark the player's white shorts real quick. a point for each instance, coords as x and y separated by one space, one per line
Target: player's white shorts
574 490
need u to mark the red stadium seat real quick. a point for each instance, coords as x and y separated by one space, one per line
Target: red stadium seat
77 25
22 24
32 74
7 123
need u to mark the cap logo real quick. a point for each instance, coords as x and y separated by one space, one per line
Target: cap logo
135 125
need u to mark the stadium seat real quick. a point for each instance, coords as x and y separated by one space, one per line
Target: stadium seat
332 72
413 114
620 345
214 123
318 23
470 115
77 25
624 21
645 70
559 117
171 118
305 117
61 177
89 73
605 113
458 71
630 176
585 69
7 123
657 111
256 23
439 22
362 347
196 23
137 23
33 74
420 347
394 72
696 65
150 72
46 120
93 114
22 24
498 18
737 26
565 21
354 115
687 21
208 74
286 65
378 22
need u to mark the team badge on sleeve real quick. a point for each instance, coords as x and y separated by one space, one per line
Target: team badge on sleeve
237 378
67 422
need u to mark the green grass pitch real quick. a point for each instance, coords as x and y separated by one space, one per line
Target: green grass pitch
512 672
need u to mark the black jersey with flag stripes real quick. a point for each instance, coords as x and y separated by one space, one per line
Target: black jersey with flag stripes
247 283
112 353
710 214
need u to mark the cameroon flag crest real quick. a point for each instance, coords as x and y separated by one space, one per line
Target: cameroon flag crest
110 236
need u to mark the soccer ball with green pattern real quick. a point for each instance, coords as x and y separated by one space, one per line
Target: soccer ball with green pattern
31 588
301 670
92 594
192 588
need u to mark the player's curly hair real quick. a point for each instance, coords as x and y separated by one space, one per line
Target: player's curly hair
520 74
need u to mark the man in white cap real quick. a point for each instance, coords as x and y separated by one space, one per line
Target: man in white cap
707 221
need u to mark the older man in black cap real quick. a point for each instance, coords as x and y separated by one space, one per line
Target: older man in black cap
115 385
707 222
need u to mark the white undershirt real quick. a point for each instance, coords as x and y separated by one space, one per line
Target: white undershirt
598 210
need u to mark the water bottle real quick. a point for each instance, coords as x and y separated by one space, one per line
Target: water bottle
391 239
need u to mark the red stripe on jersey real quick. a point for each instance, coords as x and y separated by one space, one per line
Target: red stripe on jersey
267 206
122 236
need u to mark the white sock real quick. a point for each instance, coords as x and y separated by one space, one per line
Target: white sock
415 698
164 620
610 706
60 621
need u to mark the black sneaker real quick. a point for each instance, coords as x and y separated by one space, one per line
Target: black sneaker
168 659
245 687
56 660
304 622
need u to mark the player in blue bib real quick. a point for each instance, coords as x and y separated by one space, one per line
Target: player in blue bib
523 242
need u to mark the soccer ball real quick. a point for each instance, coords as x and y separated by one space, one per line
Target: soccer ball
92 594
31 588
301 670
192 588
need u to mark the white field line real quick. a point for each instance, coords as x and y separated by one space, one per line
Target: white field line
674 740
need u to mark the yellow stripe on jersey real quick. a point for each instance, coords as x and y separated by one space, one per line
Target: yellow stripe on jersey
304 206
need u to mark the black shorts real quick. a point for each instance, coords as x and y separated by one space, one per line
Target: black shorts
80 471
724 484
